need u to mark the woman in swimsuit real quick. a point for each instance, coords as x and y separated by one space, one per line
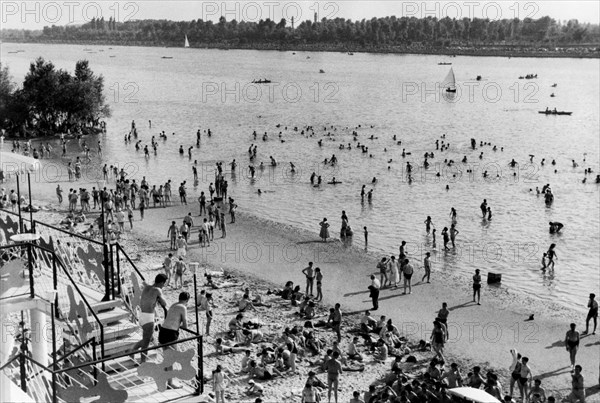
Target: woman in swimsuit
572 343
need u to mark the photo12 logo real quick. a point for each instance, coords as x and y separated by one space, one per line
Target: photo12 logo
268 91
458 10
253 11
66 12
470 91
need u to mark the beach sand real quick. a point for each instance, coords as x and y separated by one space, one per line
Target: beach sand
268 253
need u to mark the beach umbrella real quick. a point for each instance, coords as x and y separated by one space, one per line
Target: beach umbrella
474 395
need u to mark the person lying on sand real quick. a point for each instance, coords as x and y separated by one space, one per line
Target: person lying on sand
263 372
218 284
253 336
226 347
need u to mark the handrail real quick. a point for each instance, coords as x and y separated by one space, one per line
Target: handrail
114 357
190 331
87 304
68 232
10 362
64 357
61 264
130 261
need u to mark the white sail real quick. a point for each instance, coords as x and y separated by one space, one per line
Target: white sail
187 43
450 80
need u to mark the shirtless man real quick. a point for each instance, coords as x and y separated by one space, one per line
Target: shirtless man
525 376
578 390
175 318
172 234
310 277
151 294
537 393
572 344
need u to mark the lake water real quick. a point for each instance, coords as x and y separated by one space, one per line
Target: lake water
386 95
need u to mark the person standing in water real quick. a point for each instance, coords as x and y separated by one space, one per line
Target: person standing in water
453 214
477 286
572 344
551 255
427 267
428 225
446 238
453 233
483 207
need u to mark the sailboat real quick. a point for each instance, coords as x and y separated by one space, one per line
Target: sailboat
187 43
450 82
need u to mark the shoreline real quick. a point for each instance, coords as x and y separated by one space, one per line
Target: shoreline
475 51
483 335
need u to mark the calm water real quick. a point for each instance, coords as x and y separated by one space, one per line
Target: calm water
396 95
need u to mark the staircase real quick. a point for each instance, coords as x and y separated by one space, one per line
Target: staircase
73 268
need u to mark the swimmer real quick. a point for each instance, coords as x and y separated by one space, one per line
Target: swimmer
555 227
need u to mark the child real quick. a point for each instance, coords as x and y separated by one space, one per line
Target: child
433 233
180 269
201 237
167 266
544 261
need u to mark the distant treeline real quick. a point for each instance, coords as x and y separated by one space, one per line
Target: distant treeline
375 33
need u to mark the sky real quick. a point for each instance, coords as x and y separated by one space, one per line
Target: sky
37 14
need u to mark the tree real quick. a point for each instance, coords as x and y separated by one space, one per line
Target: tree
53 100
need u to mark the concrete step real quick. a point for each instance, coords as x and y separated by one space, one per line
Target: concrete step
118 346
108 317
106 305
118 330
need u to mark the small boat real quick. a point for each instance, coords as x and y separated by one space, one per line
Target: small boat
112 56
308 57
293 53
186 43
265 81
350 54
554 85
14 52
87 50
521 77
444 64
552 95
334 183
322 71
450 82
555 112
478 78
167 57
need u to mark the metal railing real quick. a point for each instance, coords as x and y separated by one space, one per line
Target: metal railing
61 303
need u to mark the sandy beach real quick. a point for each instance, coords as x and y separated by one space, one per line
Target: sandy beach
267 254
